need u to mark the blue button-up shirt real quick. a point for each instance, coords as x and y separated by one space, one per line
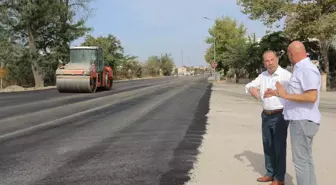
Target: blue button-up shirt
305 77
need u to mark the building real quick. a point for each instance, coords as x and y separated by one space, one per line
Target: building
182 70
190 70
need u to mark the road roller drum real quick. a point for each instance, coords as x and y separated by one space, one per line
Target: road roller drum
75 84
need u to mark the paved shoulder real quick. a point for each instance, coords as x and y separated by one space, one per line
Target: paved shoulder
232 153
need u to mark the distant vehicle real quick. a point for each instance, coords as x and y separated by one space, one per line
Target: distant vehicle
86 71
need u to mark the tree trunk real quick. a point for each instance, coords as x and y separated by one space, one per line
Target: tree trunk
237 75
64 43
324 51
38 77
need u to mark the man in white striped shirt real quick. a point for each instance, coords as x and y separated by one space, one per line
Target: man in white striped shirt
274 126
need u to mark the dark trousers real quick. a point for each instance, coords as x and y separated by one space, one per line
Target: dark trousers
274 136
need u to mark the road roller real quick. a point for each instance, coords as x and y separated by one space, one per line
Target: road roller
86 71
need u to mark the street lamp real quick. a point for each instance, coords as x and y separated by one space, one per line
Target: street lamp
214 42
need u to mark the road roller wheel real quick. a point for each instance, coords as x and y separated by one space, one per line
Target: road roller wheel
109 82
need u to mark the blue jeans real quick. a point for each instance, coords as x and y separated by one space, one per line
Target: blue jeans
274 136
302 134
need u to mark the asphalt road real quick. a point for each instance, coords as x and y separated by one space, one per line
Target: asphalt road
15 98
141 132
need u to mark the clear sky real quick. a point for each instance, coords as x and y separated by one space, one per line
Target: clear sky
152 27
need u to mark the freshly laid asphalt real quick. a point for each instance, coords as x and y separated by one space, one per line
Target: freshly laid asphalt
140 132
17 98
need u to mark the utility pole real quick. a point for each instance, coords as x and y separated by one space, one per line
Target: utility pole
160 63
214 58
160 57
182 57
214 49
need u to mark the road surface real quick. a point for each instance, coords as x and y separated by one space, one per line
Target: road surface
141 132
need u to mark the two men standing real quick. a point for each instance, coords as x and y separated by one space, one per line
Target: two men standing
299 96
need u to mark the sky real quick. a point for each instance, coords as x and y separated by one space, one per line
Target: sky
152 27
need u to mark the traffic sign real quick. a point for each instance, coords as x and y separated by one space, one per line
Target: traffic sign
214 64
3 73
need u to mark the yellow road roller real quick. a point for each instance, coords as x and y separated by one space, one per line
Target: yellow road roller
86 71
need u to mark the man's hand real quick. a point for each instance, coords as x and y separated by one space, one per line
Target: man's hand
255 92
281 90
307 96
269 93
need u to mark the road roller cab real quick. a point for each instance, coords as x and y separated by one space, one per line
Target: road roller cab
85 72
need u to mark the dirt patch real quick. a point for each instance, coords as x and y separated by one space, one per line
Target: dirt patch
16 88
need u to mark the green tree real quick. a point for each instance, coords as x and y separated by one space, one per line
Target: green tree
167 64
332 56
278 42
305 20
6 48
113 51
230 44
69 29
253 64
153 65
42 26
130 67
157 64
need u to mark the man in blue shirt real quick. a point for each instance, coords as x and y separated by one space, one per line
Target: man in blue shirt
302 94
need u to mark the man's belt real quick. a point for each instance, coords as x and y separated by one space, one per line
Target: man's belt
270 112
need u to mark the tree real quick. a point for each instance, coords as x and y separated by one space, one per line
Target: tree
68 29
41 26
305 20
113 51
6 48
167 64
230 44
253 64
237 57
153 65
332 56
157 64
130 66
278 42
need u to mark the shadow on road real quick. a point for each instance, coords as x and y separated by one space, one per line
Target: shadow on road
257 162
